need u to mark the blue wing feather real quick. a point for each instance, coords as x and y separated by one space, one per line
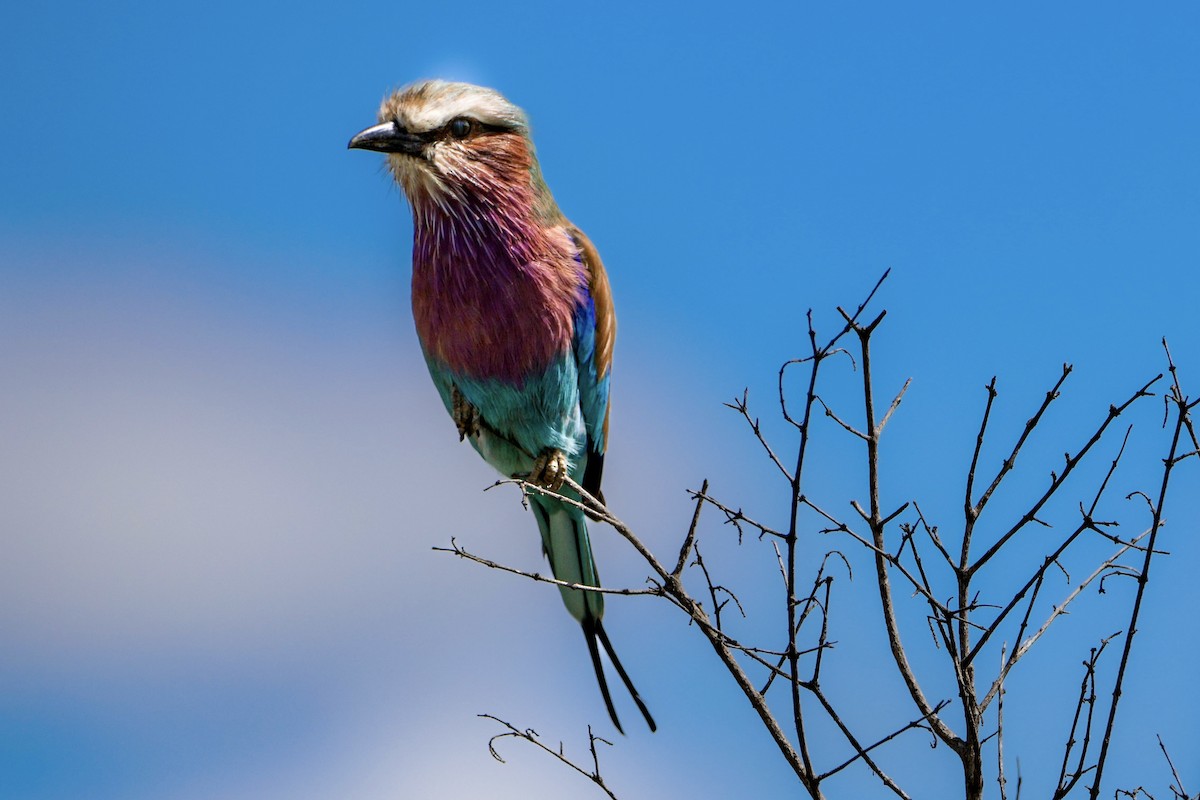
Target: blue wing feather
593 388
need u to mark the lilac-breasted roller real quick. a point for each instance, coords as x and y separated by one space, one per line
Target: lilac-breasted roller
514 313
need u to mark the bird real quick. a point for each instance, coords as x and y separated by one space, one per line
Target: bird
514 314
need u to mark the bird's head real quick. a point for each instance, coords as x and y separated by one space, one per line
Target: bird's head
449 143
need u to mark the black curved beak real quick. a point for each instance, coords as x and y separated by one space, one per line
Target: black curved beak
387 137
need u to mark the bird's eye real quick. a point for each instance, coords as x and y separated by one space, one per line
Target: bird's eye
461 127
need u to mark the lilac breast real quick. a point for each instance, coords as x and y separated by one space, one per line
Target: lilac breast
494 303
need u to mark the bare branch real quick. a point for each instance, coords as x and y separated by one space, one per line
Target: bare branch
691 533
531 736
736 517
1025 645
892 408
1179 394
918 586
1030 424
1181 420
1177 787
1133 794
1057 481
713 589
743 407
1035 581
1000 779
462 552
969 504
875 519
1087 697
673 588
861 752
847 426
932 533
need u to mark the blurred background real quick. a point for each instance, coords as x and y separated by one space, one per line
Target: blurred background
223 467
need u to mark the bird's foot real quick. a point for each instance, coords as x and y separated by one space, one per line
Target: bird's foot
466 416
549 470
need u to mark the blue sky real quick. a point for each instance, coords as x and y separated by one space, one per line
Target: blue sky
222 465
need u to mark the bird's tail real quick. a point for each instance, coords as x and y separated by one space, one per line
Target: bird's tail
567 546
593 631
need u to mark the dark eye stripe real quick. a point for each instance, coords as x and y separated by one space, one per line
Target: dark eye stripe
476 128
445 131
